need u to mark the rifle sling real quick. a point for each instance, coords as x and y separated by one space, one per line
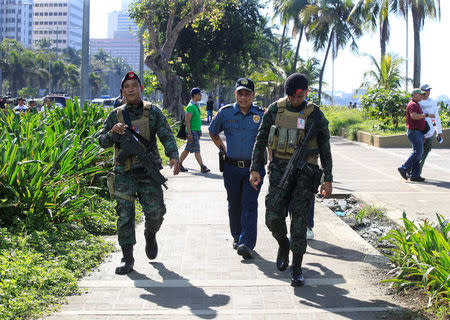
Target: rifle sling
126 118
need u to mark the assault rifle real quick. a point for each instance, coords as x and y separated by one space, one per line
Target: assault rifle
130 147
297 161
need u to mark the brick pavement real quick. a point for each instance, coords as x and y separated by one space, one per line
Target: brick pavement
197 274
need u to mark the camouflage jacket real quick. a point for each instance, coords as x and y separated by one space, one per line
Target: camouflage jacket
158 126
323 138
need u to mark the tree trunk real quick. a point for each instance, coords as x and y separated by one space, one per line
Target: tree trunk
417 61
294 66
384 29
281 43
330 40
170 83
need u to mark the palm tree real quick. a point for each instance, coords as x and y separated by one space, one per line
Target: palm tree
376 12
327 25
420 9
385 75
290 10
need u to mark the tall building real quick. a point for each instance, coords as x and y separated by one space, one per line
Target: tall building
61 21
125 48
16 20
121 26
122 41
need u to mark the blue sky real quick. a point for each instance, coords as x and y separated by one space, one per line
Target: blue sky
349 67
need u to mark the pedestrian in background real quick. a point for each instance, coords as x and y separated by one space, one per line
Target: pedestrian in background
240 122
284 127
209 109
131 180
429 106
193 131
21 106
415 124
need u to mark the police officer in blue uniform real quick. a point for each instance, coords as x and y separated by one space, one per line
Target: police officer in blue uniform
240 122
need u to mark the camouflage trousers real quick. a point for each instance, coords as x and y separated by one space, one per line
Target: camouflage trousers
150 196
297 198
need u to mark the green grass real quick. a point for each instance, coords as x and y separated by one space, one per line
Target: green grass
369 211
352 120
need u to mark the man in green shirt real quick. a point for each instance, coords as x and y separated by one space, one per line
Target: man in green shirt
194 131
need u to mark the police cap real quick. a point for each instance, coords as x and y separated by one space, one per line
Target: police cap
244 83
294 83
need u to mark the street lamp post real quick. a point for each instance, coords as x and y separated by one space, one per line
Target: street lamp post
85 53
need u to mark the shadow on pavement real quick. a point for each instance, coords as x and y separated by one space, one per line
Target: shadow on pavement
336 300
190 296
437 183
345 254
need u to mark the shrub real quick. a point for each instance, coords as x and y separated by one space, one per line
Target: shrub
385 105
421 256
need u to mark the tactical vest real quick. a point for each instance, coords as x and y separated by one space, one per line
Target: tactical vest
142 125
285 136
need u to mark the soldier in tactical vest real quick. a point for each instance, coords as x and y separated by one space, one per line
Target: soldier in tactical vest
131 180
284 127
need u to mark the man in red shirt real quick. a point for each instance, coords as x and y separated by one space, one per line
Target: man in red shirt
415 123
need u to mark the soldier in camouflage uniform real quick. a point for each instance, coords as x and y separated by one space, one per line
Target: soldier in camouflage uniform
292 117
131 180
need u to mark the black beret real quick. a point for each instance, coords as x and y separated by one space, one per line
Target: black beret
295 82
130 75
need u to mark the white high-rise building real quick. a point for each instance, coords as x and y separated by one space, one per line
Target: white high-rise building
61 21
16 20
120 25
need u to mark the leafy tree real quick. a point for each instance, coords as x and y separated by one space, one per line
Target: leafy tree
420 9
162 22
327 25
386 74
387 106
43 44
209 57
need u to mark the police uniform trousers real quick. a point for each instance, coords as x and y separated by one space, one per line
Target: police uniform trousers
297 198
242 204
150 196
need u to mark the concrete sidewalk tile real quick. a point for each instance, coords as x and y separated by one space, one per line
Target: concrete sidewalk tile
197 274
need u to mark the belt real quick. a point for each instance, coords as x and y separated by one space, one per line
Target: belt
238 163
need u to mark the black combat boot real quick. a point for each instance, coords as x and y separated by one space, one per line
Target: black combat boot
297 279
151 247
283 254
127 261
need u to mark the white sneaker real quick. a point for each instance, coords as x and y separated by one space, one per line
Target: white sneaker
309 233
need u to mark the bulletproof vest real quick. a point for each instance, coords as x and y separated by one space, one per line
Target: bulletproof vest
285 135
141 125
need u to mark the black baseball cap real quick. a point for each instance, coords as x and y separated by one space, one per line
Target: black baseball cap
296 81
195 91
244 83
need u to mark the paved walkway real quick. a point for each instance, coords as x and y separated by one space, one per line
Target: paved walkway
197 274
371 174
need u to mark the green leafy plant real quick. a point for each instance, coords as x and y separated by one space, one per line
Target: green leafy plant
369 211
421 256
387 106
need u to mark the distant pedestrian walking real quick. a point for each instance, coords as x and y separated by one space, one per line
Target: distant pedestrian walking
415 123
240 122
194 131
209 109
21 106
430 106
